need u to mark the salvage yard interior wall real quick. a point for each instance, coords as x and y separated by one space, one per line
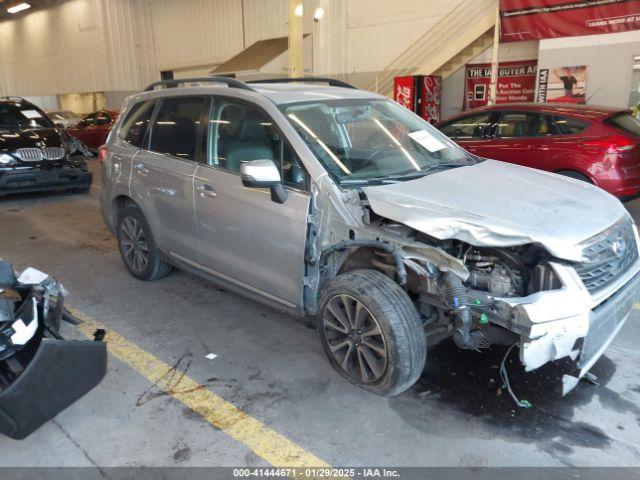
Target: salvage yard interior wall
122 45
453 86
609 61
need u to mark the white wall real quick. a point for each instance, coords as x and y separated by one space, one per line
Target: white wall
609 60
121 45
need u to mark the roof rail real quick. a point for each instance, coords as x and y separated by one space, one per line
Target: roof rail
229 81
331 81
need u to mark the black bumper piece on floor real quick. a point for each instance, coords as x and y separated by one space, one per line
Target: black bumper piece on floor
60 373
39 180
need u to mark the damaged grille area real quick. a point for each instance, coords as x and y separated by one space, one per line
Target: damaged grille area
608 256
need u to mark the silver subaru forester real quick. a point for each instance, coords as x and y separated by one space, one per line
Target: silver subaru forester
332 202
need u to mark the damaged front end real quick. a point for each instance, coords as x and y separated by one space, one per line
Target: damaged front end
41 374
486 293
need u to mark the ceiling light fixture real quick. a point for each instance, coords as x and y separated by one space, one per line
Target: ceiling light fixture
18 7
299 11
318 14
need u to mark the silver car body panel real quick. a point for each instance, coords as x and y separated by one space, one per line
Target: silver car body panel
483 205
499 204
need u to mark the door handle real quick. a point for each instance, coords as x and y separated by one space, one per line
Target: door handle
540 148
206 190
141 168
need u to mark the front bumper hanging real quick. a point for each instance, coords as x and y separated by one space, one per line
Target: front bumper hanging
41 374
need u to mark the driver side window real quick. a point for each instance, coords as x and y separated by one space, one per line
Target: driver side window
241 133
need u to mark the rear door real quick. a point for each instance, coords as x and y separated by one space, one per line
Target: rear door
245 237
512 137
162 174
472 132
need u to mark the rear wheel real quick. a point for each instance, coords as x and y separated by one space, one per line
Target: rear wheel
574 174
371 332
137 247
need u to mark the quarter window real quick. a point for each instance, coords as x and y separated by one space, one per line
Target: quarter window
176 127
469 128
242 133
134 127
570 126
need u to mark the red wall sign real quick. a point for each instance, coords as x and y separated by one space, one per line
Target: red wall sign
516 83
535 19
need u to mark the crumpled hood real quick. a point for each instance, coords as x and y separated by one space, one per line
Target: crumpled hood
497 204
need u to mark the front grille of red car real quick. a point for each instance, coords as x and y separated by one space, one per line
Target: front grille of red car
608 255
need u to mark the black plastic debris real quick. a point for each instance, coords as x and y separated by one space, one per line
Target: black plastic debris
41 374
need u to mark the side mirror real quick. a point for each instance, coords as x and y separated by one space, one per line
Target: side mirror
263 174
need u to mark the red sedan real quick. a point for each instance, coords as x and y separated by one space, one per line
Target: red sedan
94 128
595 144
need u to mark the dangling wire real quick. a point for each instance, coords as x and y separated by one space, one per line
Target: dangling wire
505 382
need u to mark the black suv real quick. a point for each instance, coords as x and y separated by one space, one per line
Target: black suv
34 154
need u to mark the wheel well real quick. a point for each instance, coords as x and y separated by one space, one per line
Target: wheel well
119 203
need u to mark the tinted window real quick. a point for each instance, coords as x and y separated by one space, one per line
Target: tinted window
135 124
568 125
626 122
241 133
22 116
474 126
522 124
176 126
103 118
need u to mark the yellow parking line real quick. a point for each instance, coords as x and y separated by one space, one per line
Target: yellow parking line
276 449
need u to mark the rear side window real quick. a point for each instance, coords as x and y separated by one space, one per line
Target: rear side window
176 127
471 127
625 122
523 124
569 126
135 124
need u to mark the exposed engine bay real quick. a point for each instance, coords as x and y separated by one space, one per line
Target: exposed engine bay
41 373
471 287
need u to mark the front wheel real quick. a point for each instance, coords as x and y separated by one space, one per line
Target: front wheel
371 332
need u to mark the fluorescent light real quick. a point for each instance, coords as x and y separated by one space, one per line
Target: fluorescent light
18 7
318 14
299 10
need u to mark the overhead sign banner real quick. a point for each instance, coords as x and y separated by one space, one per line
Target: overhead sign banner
536 19
516 83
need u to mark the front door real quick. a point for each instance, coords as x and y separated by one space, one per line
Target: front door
472 132
245 237
162 174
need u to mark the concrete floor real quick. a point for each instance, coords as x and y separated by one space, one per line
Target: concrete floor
272 367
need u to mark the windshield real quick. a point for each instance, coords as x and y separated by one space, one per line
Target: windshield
363 141
18 116
63 115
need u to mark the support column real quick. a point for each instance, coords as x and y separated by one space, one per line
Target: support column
493 85
296 27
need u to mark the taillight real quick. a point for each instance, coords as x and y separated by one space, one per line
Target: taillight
103 152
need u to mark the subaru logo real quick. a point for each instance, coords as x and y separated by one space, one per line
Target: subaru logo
618 247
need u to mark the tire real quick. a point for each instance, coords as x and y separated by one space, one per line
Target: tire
389 308
575 175
134 235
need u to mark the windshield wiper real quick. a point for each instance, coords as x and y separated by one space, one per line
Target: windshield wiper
369 181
